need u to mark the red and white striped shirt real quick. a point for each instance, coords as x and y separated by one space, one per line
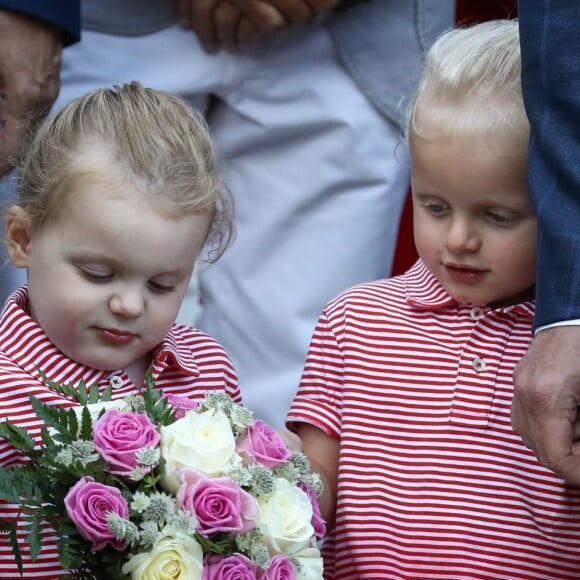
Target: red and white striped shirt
187 363
433 483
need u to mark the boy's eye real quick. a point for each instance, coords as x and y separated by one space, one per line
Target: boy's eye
435 208
500 217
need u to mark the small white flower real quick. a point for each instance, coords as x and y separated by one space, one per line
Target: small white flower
64 457
185 522
149 456
140 502
138 474
161 507
148 534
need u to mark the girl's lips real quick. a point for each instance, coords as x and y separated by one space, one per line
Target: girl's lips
114 336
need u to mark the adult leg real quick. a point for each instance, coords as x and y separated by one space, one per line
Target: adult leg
319 177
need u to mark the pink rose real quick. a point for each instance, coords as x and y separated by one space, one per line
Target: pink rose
181 404
234 567
118 436
87 504
317 521
219 504
280 568
262 444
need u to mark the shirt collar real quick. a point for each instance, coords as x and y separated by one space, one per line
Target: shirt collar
18 331
424 292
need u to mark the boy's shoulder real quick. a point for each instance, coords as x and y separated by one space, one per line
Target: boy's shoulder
387 293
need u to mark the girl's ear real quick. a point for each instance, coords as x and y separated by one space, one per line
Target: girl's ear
18 229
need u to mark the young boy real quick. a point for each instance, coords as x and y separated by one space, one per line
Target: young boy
404 404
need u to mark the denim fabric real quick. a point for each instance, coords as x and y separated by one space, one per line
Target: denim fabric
550 38
382 42
127 17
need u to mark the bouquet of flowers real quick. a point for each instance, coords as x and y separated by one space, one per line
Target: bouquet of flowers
155 487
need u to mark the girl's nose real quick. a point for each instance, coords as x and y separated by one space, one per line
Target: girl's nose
127 302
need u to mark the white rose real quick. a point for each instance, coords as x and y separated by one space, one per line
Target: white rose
285 518
311 566
174 555
202 441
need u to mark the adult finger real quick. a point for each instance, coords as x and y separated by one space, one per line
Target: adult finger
226 19
203 23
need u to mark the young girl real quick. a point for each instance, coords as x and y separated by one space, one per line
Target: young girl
404 404
118 195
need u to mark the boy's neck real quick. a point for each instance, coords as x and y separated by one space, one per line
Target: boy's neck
527 294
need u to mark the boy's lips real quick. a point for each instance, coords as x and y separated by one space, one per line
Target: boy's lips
463 273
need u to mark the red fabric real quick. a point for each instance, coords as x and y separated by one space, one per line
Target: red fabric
466 12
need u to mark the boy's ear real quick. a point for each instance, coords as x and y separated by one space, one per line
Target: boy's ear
18 229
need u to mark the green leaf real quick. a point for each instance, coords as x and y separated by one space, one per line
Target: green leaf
16 482
73 421
56 417
11 528
93 395
83 396
46 437
86 430
64 389
156 406
107 394
33 524
18 437
70 553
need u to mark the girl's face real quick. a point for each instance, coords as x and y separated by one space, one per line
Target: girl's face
474 225
106 280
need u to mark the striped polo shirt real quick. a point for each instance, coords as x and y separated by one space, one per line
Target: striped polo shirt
433 483
187 363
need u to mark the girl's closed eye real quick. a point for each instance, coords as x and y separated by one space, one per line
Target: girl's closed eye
161 287
95 273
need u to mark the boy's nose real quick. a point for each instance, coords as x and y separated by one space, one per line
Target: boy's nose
462 236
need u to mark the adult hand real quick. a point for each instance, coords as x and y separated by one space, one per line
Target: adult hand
233 23
30 58
546 399
265 14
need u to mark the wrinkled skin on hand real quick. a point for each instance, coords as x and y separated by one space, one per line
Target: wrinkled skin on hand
546 399
30 58
232 23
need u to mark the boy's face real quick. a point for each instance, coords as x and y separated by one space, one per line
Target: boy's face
474 225
106 280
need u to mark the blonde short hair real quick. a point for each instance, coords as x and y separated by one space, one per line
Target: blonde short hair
471 83
162 146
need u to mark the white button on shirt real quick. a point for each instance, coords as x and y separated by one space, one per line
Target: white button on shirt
478 364
116 381
476 313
